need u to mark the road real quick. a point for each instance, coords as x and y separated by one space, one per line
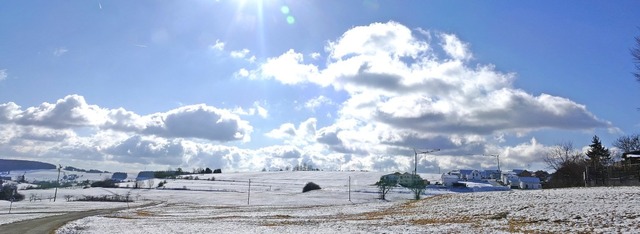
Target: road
50 223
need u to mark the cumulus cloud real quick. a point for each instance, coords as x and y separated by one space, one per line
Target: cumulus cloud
257 109
199 121
194 121
455 48
60 51
430 92
71 111
288 68
303 135
317 102
218 45
3 74
239 53
407 88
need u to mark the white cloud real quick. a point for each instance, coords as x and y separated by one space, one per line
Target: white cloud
287 68
454 47
303 135
315 103
239 53
256 109
219 46
194 121
60 51
314 55
71 111
242 73
199 121
3 74
403 94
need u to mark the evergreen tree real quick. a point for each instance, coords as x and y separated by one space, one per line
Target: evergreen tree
598 158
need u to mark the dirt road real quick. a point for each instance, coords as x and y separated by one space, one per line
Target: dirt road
50 223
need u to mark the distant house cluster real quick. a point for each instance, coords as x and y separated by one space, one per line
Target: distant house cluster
515 179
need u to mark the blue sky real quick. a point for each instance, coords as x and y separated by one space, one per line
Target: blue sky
253 84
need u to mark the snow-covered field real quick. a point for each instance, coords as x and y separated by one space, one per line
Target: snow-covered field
277 205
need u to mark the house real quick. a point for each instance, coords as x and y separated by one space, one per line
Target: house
145 175
448 179
510 178
119 177
490 174
393 178
404 179
632 157
408 179
529 183
473 175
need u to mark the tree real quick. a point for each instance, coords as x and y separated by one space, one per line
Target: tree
635 52
9 192
385 184
598 158
561 154
417 187
570 174
208 171
150 183
628 143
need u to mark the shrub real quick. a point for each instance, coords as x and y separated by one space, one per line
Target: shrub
8 190
310 186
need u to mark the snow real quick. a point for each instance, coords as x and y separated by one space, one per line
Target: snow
277 205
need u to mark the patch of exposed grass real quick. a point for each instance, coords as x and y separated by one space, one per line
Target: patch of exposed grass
144 213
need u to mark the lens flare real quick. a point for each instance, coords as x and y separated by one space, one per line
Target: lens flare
284 10
291 20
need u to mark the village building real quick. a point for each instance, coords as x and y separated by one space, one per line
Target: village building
448 180
529 183
632 157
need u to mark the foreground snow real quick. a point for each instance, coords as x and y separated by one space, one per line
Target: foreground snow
277 205
559 210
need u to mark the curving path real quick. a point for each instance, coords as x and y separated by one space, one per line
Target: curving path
50 223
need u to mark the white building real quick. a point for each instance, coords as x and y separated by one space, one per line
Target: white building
449 180
529 183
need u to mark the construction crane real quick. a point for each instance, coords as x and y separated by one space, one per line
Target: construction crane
497 156
415 160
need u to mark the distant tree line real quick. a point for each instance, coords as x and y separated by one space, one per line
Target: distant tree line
173 174
596 166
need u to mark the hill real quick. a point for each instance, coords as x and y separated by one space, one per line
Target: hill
13 164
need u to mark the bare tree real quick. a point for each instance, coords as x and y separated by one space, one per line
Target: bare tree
635 52
561 154
628 143
385 184
150 183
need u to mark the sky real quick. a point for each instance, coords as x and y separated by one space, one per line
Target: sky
247 85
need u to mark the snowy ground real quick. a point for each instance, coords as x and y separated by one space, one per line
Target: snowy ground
276 205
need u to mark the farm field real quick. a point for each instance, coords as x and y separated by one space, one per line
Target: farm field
276 204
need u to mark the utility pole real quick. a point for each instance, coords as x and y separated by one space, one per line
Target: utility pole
249 192
415 160
349 188
55 194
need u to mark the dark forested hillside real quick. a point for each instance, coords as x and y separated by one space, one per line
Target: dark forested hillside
12 165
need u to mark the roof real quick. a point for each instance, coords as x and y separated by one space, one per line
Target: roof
631 154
